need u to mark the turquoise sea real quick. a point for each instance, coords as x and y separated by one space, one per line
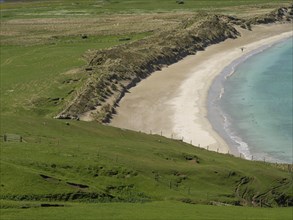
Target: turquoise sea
250 104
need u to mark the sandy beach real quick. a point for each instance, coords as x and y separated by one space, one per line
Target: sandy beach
173 101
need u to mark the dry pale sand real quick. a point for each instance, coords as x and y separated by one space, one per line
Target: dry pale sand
173 100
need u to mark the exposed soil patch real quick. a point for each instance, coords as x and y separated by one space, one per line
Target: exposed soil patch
49 178
77 185
51 205
72 71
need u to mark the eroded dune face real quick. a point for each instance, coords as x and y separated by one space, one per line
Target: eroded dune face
173 101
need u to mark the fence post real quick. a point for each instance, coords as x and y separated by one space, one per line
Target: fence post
5 137
161 133
20 138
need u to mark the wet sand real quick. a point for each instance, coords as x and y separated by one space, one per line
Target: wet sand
173 100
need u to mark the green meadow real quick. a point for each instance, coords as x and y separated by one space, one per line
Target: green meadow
61 8
67 169
154 210
34 76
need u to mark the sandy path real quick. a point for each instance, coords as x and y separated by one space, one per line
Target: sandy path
173 100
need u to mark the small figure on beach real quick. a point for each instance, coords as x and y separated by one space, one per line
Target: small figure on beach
242 48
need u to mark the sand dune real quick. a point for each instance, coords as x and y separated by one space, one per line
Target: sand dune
173 100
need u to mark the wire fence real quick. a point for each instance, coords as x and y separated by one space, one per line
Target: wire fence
177 137
18 138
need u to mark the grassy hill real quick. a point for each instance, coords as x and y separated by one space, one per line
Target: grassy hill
61 162
91 171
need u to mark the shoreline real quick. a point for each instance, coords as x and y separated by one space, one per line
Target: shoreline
220 122
162 102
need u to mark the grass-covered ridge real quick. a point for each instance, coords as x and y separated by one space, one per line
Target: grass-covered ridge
90 171
113 71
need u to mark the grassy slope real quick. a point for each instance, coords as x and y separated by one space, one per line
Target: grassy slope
126 165
33 75
135 166
155 210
